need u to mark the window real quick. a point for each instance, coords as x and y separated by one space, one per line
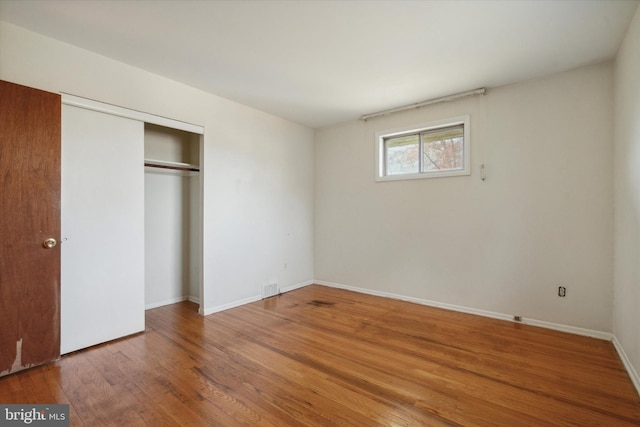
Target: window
429 150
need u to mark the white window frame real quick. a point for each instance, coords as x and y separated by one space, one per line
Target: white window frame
465 121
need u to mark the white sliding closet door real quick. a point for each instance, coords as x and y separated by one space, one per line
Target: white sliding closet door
102 287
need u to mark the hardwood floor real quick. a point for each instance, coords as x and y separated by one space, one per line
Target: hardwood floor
319 356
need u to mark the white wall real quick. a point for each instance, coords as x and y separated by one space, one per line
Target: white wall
542 218
258 174
627 196
170 275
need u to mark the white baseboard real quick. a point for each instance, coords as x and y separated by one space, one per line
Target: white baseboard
172 301
165 302
485 313
430 303
296 286
607 336
633 374
233 304
238 303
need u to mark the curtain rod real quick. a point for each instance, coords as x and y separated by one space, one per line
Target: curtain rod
448 98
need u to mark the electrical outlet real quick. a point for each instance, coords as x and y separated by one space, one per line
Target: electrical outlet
562 291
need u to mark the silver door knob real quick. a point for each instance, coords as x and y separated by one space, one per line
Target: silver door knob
49 243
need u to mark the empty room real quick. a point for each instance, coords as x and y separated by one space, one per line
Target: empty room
320 213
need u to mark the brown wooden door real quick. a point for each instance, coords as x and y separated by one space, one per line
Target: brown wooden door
30 139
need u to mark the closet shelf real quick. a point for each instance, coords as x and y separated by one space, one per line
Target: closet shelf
163 164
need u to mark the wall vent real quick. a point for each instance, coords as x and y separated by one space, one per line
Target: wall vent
270 290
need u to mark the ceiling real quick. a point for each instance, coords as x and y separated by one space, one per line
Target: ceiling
319 63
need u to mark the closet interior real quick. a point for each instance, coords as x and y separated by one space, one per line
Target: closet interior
172 205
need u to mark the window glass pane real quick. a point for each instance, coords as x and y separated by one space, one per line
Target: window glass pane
428 150
402 154
443 149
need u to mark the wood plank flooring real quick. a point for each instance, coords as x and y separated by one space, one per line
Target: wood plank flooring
319 356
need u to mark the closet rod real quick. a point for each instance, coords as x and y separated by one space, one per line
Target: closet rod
178 168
